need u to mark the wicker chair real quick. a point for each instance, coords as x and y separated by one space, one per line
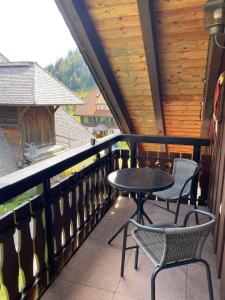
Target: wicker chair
168 245
184 171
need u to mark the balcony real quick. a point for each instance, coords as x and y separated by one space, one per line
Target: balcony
93 273
54 239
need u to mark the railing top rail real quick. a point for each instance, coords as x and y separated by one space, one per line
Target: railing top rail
157 139
18 182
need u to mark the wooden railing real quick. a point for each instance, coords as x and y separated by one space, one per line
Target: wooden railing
39 237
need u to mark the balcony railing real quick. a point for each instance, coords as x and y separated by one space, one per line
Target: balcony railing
39 237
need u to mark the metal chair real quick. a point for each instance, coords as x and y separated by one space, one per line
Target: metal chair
168 245
184 171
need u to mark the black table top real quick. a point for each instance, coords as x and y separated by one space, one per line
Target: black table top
139 180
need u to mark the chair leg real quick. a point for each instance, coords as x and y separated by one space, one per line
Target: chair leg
123 250
196 214
154 274
136 258
177 212
167 205
210 288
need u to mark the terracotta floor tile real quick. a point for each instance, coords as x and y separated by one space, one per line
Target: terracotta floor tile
170 284
119 296
94 265
197 288
64 290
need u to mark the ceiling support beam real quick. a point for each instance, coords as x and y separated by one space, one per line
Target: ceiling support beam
213 66
77 18
146 12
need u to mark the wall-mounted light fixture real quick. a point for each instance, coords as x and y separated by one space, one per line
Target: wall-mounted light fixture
215 19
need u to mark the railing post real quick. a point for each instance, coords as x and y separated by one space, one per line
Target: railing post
196 153
48 224
133 154
196 157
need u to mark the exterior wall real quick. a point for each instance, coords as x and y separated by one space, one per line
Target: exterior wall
216 193
8 117
37 126
13 136
9 125
90 122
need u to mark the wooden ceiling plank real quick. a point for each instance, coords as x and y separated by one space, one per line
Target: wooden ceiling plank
145 8
102 13
83 31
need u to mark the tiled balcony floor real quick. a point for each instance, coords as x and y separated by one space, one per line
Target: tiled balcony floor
93 273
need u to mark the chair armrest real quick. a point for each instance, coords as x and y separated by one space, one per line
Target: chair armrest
188 180
207 214
155 229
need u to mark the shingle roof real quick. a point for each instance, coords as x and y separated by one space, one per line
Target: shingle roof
3 58
89 107
26 83
69 132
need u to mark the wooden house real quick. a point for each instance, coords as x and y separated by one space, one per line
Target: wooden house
29 98
95 115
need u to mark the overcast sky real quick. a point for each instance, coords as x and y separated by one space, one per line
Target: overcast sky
33 30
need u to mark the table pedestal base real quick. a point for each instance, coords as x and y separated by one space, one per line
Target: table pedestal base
139 213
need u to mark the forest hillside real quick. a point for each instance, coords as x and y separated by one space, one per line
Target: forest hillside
73 72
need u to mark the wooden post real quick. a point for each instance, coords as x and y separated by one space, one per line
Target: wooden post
133 155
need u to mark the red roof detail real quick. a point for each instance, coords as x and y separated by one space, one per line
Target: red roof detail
89 108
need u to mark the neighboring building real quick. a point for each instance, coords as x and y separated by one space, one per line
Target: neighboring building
3 58
69 132
29 99
96 116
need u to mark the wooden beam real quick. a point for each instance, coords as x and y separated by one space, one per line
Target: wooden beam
77 18
146 12
56 108
23 111
213 65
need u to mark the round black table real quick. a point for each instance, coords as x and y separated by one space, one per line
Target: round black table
139 181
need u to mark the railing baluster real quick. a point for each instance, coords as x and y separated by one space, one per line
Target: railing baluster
73 212
80 208
49 234
125 157
97 192
152 158
25 248
39 240
87 204
196 157
65 190
9 266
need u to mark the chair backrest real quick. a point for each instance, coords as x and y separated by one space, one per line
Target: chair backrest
185 242
182 170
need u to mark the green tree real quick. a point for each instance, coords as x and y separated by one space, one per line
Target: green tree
73 72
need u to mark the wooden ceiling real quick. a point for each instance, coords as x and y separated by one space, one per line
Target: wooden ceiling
180 60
